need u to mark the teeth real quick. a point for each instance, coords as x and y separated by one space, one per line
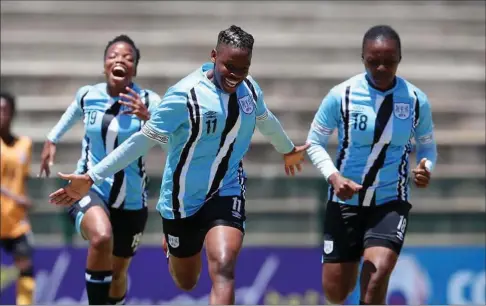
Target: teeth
230 83
119 68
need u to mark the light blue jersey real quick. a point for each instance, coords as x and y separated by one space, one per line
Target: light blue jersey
375 132
206 133
105 129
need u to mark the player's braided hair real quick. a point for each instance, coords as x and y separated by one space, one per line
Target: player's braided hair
124 38
382 31
234 36
10 100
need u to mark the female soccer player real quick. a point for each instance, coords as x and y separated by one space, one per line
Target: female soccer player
377 114
113 214
205 122
15 229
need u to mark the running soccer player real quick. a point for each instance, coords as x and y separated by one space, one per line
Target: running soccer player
377 114
112 216
15 231
205 122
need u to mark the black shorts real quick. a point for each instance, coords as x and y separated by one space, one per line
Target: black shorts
348 230
185 237
20 247
127 225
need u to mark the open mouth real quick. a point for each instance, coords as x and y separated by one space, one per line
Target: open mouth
119 72
231 83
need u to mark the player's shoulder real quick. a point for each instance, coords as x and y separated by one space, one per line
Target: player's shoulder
353 83
253 82
252 86
184 86
407 88
93 91
152 96
150 92
83 90
24 143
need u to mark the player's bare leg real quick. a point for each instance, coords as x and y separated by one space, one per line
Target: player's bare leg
378 265
118 288
339 280
184 271
96 227
223 244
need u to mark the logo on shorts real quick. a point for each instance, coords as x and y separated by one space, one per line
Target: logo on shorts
401 110
247 104
136 241
328 246
84 201
173 241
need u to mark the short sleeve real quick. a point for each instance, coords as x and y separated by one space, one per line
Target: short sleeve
168 115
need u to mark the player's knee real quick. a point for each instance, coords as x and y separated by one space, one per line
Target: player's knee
26 270
379 273
336 294
23 264
379 279
119 276
186 282
223 269
338 286
102 241
184 279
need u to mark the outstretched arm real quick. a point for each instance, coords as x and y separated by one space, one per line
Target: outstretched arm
170 113
271 128
72 114
79 184
135 146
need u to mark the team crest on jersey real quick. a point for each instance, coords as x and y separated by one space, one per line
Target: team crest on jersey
173 241
401 110
328 246
247 104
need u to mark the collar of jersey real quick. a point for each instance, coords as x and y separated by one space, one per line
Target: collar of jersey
372 87
203 70
134 86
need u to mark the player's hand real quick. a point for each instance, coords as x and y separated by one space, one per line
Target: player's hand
137 107
344 188
294 159
47 158
78 187
421 174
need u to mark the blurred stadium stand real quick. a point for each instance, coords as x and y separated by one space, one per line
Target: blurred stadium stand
51 48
